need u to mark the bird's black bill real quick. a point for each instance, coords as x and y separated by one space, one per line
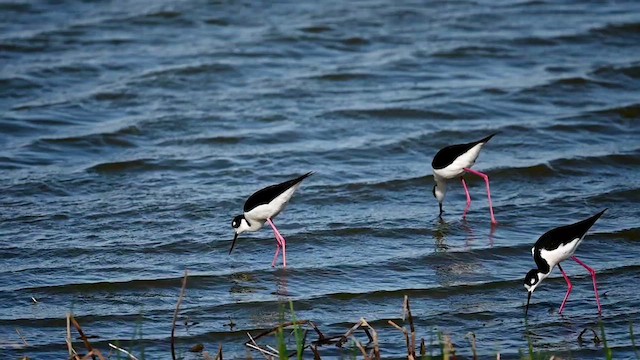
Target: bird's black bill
233 243
526 310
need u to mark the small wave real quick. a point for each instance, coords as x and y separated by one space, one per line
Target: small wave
474 52
617 196
631 234
75 69
162 17
21 47
571 166
623 112
316 29
13 127
138 165
113 139
534 41
577 83
355 41
596 34
17 7
391 113
539 171
624 29
114 96
11 85
342 76
217 21
213 140
631 71
190 70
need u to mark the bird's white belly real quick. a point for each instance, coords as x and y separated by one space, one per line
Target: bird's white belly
448 173
269 211
263 212
456 168
563 252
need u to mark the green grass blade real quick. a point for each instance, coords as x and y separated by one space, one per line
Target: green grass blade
607 351
633 339
297 332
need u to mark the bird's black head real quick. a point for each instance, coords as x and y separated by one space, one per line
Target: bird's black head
237 221
531 281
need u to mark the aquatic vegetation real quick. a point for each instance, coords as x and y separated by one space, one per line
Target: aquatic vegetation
290 330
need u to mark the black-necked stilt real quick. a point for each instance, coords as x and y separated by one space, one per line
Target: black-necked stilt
263 206
453 161
554 247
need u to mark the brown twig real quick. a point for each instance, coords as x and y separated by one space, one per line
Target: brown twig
175 316
93 353
472 339
26 344
316 354
87 344
123 351
407 308
72 353
284 325
373 338
262 351
410 355
359 346
346 335
596 339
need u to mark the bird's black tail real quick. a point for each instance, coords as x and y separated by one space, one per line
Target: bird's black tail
293 182
587 223
595 217
485 140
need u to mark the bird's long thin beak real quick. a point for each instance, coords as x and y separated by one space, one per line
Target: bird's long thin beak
526 310
233 243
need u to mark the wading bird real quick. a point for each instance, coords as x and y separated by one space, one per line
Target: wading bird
554 247
263 206
453 161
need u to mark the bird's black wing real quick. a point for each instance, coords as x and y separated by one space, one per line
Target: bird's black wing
266 195
563 235
449 154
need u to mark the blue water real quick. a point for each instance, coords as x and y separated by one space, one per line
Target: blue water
131 132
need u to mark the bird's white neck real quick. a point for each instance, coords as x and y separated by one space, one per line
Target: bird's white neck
441 188
252 225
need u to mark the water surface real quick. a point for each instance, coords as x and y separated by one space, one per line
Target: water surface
132 132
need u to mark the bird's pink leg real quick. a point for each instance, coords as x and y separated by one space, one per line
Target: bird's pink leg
486 180
466 190
275 257
566 297
282 242
593 276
